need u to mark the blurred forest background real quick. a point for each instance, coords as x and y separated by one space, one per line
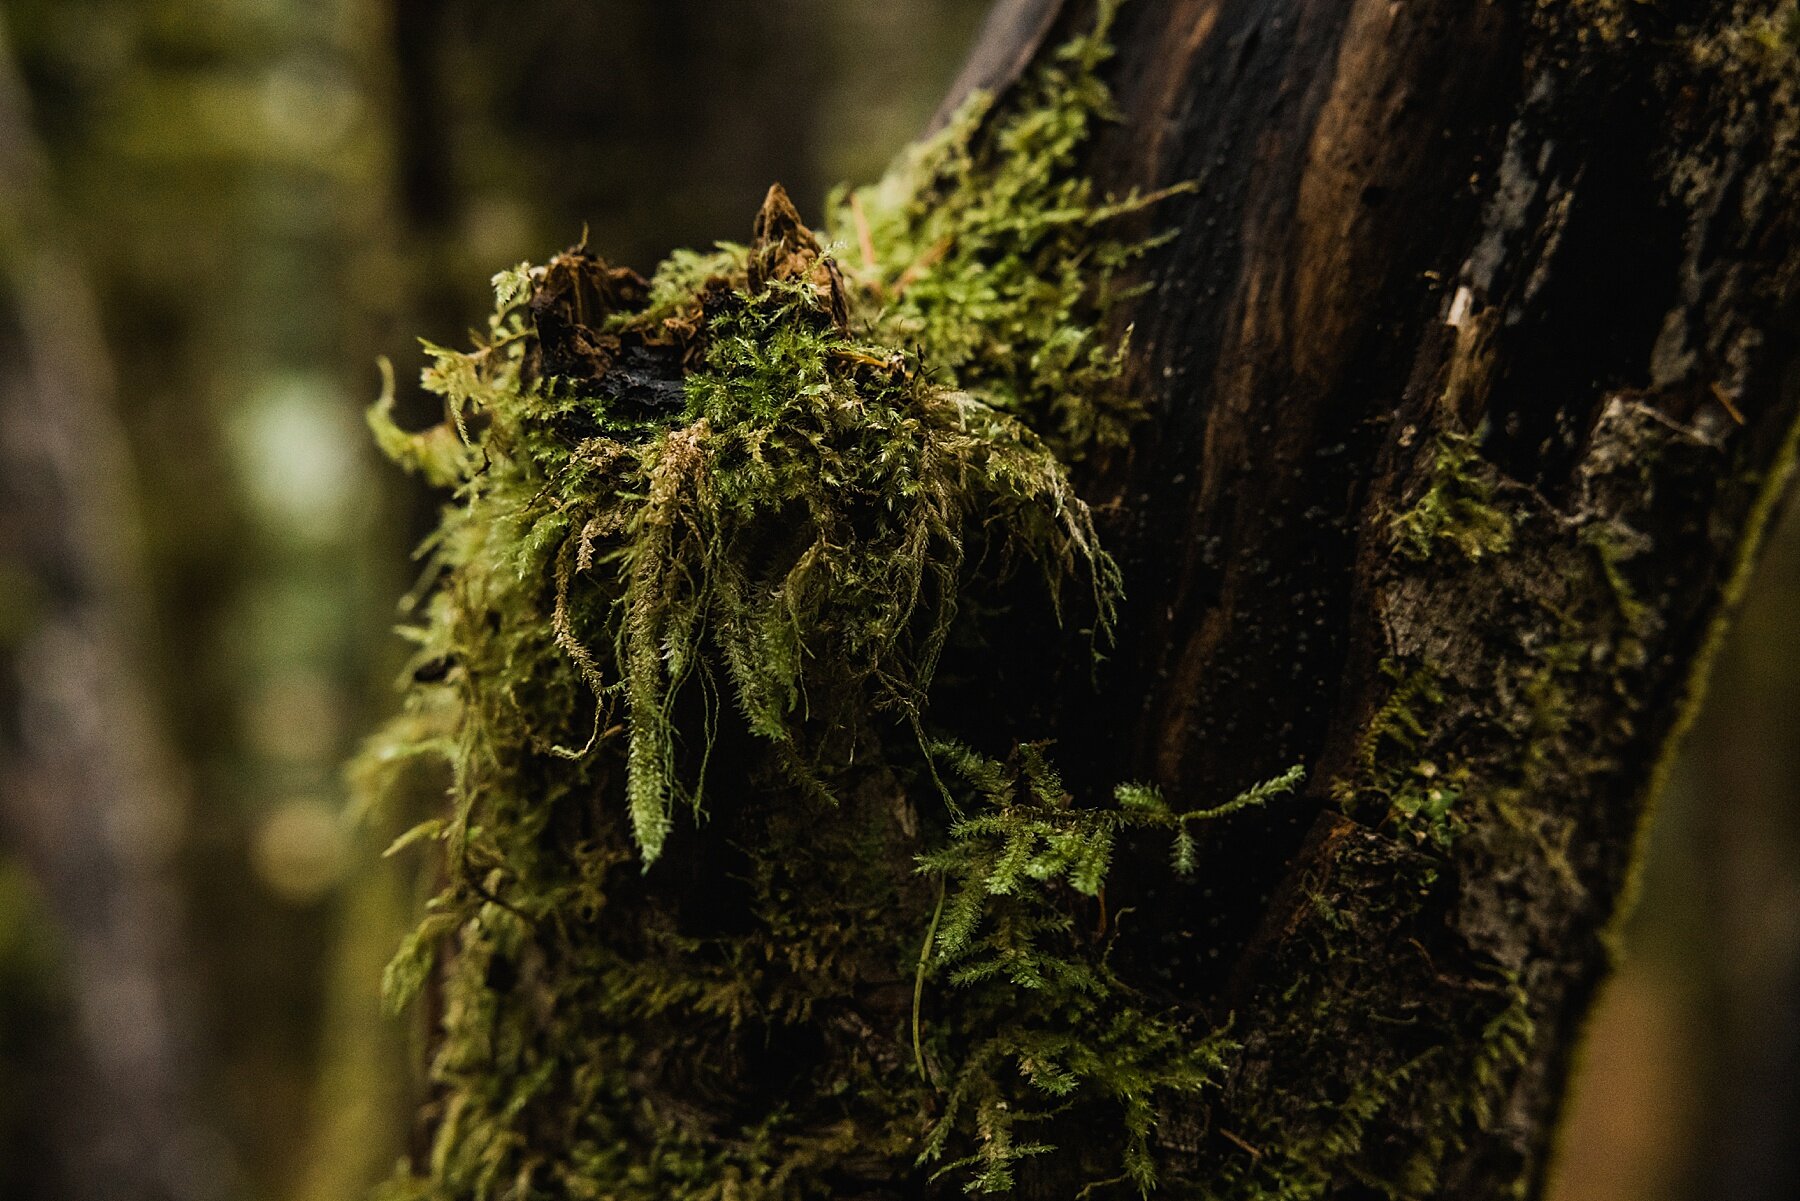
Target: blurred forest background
214 216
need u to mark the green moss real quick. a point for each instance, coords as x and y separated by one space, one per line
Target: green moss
1515 689
1064 1030
1370 1058
1478 736
794 525
1614 549
1392 781
1456 507
990 253
712 533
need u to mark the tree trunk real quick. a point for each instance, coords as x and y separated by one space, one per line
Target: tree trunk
1470 376
1474 372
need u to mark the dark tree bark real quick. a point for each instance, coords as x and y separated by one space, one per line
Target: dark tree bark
1470 363
1569 236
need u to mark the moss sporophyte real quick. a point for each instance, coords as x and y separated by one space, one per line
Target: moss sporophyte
712 535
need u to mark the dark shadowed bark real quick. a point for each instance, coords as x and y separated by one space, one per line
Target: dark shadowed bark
1535 259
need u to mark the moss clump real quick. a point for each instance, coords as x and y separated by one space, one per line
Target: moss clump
1062 1028
1391 781
665 498
785 512
713 532
989 251
1457 506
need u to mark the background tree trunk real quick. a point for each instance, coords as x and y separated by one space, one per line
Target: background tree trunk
86 799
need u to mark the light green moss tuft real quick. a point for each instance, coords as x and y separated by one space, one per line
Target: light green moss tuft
1457 507
1065 1029
990 253
1392 780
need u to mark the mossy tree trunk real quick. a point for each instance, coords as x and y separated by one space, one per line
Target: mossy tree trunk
1474 371
1469 363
